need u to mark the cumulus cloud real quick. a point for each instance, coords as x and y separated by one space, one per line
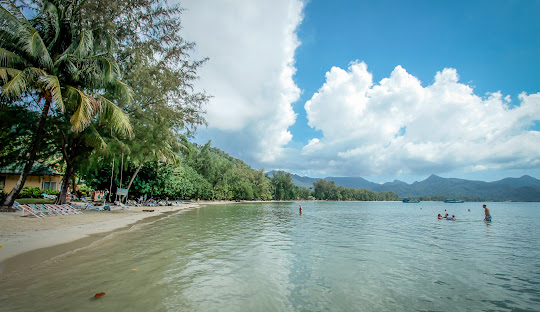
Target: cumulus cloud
251 47
398 126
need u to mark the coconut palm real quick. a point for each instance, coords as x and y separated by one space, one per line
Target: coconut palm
50 58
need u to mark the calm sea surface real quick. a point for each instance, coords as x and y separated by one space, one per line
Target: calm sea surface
336 256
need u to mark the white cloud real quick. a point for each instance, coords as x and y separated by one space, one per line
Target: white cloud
398 126
392 127
251 48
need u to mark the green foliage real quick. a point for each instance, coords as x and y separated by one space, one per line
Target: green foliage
30 192
35 192
50 192
283 187
206 172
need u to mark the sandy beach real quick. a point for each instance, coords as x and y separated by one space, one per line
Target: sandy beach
32 237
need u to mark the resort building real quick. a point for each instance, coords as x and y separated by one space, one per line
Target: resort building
40 176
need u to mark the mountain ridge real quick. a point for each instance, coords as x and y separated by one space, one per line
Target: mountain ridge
524 188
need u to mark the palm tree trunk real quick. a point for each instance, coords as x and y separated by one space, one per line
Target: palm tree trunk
31 156
65 184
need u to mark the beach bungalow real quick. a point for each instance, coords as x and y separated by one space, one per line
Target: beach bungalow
40 176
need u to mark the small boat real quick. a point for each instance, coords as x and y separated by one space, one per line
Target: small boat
453 201
408 200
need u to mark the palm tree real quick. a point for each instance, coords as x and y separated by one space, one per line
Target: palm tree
50 57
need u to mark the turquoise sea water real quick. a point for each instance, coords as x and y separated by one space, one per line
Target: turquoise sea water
336 256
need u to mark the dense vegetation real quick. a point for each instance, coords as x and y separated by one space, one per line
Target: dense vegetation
208 173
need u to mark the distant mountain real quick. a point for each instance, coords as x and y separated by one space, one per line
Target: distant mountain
353 182
395 182
297 180
525 188
303 181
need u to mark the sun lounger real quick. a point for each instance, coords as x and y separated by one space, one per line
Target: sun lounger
56 209
50 211
71 209
27 210
60 210
41 209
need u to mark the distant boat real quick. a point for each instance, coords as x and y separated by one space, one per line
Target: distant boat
453 201
408 200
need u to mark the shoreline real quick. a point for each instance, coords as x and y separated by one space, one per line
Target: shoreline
28 241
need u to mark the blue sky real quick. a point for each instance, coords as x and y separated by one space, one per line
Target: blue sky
380 89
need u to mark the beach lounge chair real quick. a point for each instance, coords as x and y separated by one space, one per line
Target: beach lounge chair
27 210
71 209
50 211
41 209
65 209
58 209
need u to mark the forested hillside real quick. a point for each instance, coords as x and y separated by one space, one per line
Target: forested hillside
207 172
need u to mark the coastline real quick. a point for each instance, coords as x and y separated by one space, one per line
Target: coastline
26 241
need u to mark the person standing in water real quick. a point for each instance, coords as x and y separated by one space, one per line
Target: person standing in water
300 208
487 213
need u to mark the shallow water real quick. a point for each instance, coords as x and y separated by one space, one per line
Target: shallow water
336 256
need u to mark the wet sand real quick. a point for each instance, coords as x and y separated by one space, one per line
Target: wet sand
26 241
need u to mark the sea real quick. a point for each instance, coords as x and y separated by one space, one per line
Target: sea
266 256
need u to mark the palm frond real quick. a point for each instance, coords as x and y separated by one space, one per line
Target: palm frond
92 138
49 21
6 73
115 117
10 27
10 59
85 108
32 43
82 46
108 66
20 82
52 85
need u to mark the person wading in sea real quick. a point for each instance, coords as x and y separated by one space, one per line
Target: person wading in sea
488 214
